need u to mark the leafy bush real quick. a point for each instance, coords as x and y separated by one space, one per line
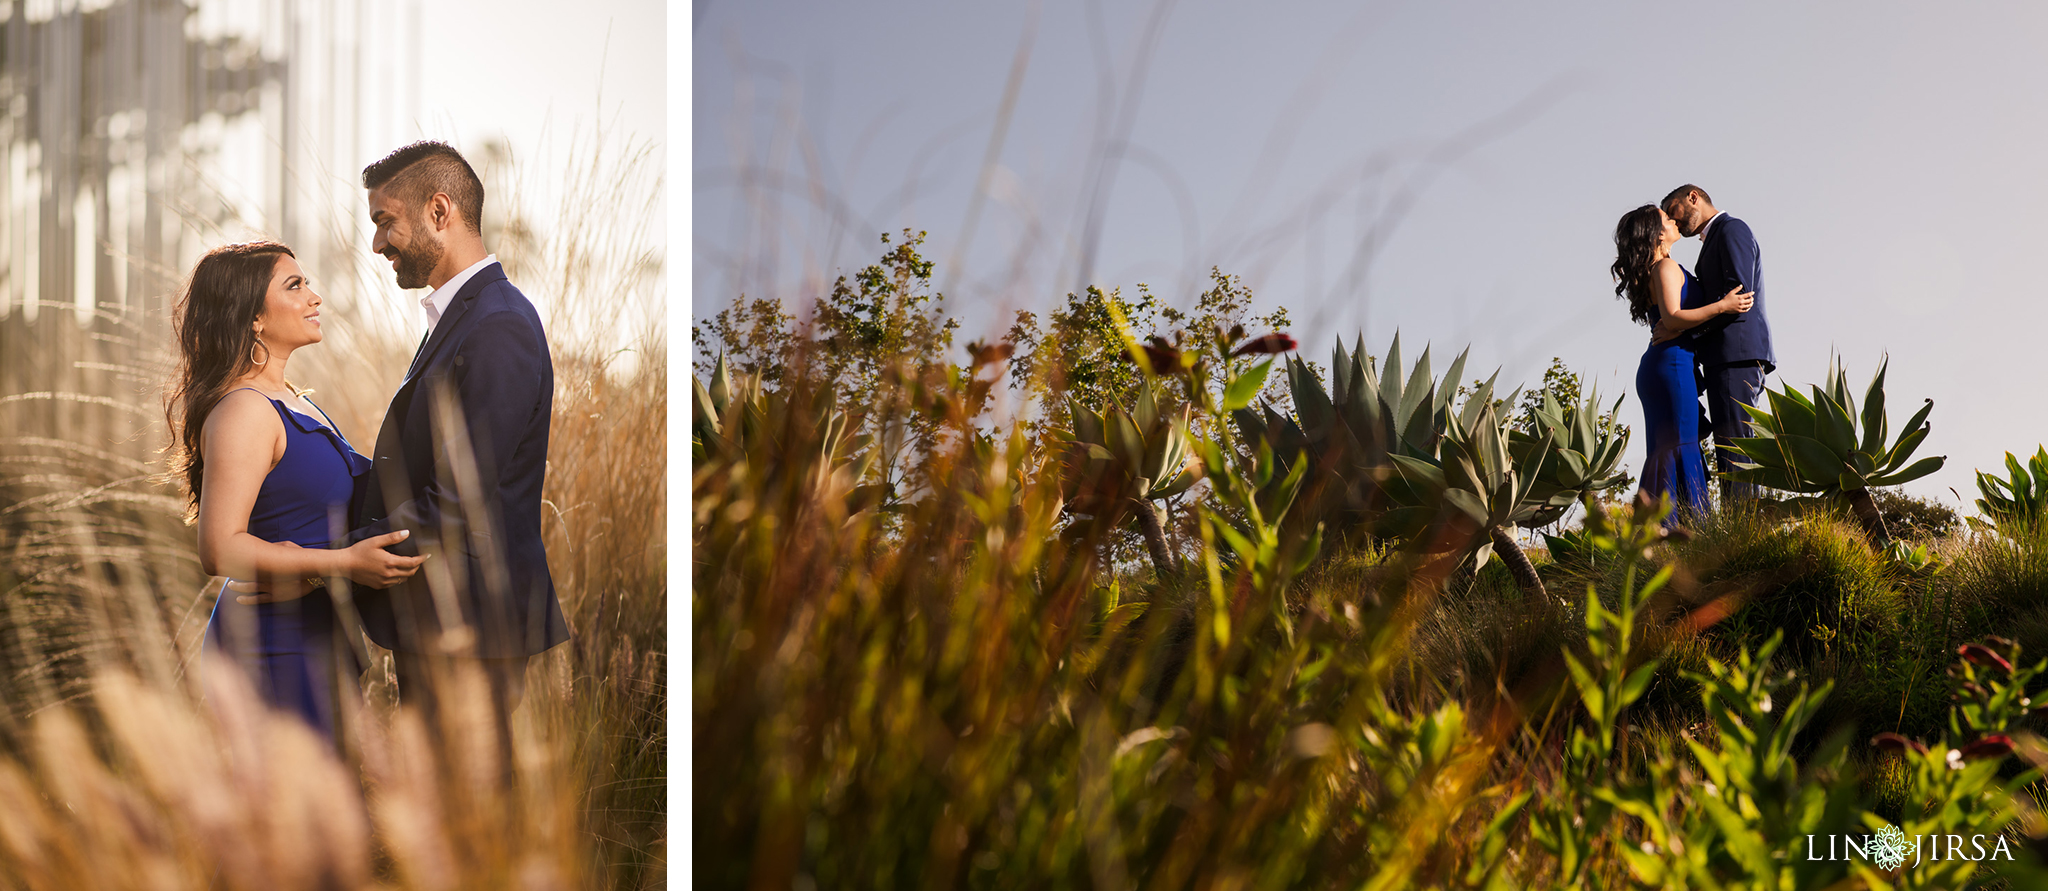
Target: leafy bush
1908 516
1082 352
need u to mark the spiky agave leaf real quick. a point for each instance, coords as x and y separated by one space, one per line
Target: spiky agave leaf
1115 455
1348 432
1584 454
1814 445
737 421
718 411
2018 503
1453 500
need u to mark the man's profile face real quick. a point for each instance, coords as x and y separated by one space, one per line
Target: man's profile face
1687 212
404 237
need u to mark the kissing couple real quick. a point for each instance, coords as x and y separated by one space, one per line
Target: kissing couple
431 546
1709 334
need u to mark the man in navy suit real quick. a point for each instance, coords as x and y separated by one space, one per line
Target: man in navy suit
1734 349
461 455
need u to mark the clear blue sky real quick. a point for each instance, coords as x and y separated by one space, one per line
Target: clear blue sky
1453 170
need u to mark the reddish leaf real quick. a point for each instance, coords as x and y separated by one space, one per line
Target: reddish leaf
1995 745
1276 342
1983 655
1892 742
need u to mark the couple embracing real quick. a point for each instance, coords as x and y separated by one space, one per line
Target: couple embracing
431 545
1709 334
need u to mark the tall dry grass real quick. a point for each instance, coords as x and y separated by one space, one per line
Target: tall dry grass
114 773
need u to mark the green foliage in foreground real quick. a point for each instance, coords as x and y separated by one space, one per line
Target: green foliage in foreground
967 700
972 690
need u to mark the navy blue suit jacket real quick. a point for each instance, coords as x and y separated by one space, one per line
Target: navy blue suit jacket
1730 257
459 461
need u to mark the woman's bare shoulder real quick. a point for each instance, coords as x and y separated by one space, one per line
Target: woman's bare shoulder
1668 272
242 412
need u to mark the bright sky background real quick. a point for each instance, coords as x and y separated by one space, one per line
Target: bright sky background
531 70
539 76
1453 170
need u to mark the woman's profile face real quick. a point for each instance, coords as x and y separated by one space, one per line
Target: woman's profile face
1669 236
291 311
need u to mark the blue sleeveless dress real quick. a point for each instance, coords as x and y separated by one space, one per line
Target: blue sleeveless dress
292 650
1669 389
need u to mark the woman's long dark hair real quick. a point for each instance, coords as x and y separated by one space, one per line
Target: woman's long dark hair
1635 255
216 346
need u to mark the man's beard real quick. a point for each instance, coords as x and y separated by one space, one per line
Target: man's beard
416 263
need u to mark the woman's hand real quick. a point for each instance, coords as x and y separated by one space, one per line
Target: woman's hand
274 591
365 563
1737 300
369 564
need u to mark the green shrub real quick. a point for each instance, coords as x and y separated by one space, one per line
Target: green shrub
1909 516
1806 579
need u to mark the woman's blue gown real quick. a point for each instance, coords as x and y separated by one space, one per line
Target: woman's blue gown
1669 390
291 650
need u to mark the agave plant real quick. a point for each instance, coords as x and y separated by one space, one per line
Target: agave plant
1394 457
1349 434
2016 505
1583 454
1485 480
1573 449
739 420
1463 498
718 412
1115 463
1814 446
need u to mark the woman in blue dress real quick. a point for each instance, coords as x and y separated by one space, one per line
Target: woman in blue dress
1656 287
269 477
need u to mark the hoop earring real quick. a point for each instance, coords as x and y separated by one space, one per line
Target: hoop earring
266 353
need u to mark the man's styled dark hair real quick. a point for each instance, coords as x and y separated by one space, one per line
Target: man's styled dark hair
417 171
1679 194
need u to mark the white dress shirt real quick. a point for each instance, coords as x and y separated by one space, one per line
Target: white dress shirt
437 303
1709 227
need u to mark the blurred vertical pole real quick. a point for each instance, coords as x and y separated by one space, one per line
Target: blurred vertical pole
10 135
126 128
